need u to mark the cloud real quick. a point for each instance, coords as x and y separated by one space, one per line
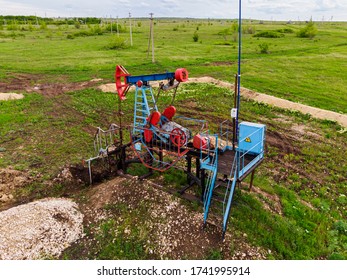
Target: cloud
328 5
292 9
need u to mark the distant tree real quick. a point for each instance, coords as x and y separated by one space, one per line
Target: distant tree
235 27
250 29
43 25
13 26
77 24
309 31
121 28
264 48
233 30
195 36
117 43
31 27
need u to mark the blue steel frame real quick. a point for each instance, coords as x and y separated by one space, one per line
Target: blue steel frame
148 78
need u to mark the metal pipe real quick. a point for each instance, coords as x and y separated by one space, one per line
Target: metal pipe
238 88
235 106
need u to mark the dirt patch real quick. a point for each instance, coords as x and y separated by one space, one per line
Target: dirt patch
20 82
34 83
211 81
190 104
111 87
56 89
307 204
282 141
10 181
39 229
271 202
304 132
10 96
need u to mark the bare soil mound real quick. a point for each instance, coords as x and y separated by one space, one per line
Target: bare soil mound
10 96
39 229
111 87
174 230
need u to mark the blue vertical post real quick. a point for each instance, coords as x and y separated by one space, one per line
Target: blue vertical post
238 87
239 71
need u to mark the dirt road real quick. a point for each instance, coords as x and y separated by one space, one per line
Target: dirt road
278 102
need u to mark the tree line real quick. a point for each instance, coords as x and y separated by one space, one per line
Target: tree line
56 21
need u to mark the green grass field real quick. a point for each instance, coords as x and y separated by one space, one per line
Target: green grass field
305 167
309 71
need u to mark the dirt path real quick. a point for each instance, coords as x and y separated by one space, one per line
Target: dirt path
278 102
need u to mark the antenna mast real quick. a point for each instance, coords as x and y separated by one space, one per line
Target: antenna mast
239 71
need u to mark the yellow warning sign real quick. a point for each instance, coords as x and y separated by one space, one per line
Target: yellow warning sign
248 140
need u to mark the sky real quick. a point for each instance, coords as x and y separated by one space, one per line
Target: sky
319 10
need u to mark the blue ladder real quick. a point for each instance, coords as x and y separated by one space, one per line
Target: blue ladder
143 106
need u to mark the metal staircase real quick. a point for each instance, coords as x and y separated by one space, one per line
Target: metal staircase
230 189
218 196
209 162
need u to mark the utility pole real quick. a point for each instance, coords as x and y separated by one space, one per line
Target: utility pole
131 33
151 38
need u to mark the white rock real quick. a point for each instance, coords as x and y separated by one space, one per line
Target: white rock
39 229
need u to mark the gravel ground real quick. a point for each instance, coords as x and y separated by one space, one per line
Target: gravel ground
40 229
174 230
